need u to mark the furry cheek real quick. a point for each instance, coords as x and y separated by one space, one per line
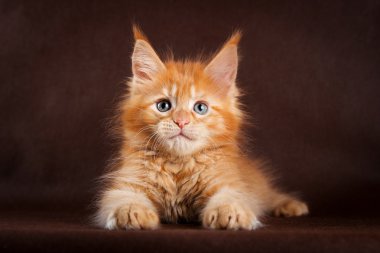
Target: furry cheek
166 129
216 124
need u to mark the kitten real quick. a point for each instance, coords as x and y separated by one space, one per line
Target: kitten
180 158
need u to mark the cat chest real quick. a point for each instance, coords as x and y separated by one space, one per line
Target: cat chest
178 189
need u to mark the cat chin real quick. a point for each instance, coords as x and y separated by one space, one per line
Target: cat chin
182 146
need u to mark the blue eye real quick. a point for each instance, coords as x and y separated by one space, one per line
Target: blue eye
200 108
163 105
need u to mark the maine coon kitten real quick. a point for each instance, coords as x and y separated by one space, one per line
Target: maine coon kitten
180 158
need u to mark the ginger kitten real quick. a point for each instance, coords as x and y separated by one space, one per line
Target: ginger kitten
180 158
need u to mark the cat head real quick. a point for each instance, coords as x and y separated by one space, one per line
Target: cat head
182 107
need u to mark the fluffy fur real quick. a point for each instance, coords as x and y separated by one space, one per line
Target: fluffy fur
182 165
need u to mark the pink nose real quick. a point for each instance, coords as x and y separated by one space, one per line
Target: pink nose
181 122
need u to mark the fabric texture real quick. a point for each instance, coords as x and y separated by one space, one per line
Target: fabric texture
310 72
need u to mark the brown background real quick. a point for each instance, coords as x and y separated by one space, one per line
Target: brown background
311 74
310 70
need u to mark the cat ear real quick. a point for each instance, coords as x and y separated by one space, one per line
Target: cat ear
145 62
223 67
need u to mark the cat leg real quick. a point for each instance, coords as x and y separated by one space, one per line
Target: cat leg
229 209
126 209
287 206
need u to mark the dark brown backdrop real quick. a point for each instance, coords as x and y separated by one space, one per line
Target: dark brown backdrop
310 70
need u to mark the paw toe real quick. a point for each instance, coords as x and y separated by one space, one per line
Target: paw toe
231 216
136 216
292 208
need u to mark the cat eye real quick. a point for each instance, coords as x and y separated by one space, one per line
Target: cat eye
163 105
200 108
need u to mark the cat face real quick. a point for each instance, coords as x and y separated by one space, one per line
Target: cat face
181 107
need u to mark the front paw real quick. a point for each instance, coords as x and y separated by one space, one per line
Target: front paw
136 216
292 207
229 216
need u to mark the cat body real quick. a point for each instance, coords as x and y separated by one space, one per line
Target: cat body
181 157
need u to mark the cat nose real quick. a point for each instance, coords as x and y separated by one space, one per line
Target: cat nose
181 118
181 122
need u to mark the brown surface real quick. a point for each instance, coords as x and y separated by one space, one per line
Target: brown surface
64 232
311 74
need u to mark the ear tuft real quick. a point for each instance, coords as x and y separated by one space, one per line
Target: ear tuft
235 38
138 34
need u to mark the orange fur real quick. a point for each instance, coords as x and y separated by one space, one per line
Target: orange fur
193 170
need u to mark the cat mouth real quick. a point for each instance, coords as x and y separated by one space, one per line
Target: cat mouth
180 135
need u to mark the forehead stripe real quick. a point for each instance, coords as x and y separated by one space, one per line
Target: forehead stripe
174 90
165 91
192 91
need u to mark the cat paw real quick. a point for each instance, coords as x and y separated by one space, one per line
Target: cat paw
291 208
230 216
136 216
